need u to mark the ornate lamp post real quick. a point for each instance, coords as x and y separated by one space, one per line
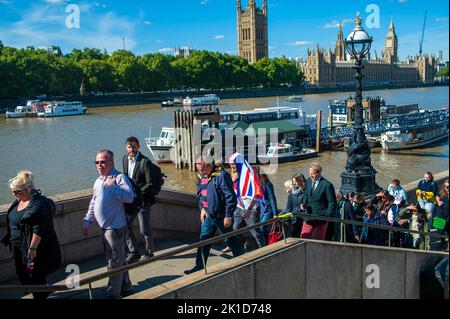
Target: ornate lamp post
359 175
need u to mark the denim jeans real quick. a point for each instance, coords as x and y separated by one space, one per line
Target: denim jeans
208 230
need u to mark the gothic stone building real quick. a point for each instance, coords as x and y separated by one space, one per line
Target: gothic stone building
253 43
327 68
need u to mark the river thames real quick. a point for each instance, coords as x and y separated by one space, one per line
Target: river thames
61 151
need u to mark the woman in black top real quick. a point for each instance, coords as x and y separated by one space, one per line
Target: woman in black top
30 233
295 198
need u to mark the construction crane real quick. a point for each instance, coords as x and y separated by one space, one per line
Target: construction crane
423 32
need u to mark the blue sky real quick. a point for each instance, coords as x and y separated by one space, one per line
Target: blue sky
159 26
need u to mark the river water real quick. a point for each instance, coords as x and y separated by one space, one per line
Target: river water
61 151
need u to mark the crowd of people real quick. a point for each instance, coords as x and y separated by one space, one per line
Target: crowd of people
228 200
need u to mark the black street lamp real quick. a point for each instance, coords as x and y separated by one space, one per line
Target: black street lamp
359 175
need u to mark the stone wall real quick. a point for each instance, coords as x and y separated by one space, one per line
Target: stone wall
306 269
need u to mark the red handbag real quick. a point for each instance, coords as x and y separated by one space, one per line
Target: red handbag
276 233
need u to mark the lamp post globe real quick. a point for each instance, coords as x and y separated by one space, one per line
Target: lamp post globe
359 175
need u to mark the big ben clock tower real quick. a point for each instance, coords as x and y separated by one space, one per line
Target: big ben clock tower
391 45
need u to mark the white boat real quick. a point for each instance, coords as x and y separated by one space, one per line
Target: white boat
162 148
294 115
27 110
208 99
62 108
283 152
294 99
399 140
178 101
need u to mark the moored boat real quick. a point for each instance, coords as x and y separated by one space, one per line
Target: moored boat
400 140
62 108
178 101
283 152
31 109
208 99
294 99
162 148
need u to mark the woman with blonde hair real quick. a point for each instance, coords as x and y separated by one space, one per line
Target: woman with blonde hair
30 234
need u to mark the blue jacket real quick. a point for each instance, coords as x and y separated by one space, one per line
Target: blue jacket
370 235
271 200
221 197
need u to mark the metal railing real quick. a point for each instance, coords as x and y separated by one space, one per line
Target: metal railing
278 219
401 122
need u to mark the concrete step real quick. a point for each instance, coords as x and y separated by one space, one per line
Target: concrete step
142 278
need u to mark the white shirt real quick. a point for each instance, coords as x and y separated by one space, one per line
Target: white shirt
132 164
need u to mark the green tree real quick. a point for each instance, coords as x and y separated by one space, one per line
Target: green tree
442 71
158 72
128 71
97 75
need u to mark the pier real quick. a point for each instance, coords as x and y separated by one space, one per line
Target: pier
403 122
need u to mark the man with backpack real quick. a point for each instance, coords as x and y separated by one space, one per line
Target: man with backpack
111 190
147 178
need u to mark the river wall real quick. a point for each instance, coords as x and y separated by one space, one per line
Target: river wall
158 97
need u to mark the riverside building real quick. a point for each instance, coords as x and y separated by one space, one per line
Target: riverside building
333 68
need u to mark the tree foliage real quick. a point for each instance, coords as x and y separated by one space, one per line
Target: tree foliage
29 72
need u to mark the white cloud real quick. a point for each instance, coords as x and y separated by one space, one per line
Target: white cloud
165 50
441 19
298 43
44 24
335 23
219 37
147 22
159 41
204 2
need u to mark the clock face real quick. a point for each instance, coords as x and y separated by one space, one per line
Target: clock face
389 43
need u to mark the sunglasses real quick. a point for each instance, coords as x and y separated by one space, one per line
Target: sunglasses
18 191
101 162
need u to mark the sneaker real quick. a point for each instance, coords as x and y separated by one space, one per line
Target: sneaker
190 271
147 256
133 257
226 250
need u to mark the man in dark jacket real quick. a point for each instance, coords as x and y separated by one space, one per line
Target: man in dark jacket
319 200
217 202
138 167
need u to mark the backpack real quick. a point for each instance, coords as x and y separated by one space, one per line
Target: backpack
133 208
157 178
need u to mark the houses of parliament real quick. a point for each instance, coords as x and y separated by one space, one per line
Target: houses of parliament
332 68
328 68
